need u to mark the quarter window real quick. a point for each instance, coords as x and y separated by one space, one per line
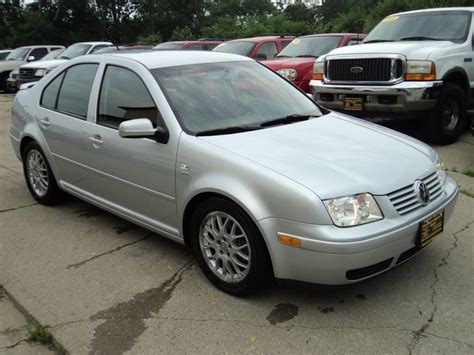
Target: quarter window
76 88
124 96
50 94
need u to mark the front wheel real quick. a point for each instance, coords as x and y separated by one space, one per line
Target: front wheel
39 177
447 120
228 246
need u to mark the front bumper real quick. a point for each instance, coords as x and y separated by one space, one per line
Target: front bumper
367 250
383 101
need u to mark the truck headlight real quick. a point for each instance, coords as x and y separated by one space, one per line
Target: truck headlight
289 74
441 171
353 210
40 72
318 71
418 70
14 73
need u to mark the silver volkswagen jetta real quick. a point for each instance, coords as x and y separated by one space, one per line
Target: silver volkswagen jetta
217 152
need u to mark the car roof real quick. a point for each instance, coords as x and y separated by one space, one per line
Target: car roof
471 9
262 38
333 34
93 43
171 58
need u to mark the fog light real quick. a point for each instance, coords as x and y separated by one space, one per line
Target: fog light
289 240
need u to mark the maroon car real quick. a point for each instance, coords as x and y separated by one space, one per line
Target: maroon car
259 48
296 61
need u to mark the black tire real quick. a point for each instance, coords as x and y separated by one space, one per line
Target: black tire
3 83
53 194
447 120
259 270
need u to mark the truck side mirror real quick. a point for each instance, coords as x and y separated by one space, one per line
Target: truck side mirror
31 58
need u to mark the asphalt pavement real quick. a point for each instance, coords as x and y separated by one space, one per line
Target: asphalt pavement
105 286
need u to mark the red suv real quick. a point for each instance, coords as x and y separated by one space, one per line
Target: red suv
259 48
198 45
296 61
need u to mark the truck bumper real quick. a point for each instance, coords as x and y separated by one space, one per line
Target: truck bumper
405 99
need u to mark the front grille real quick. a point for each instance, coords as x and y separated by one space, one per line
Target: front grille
405 200
364 69
369 270
27 73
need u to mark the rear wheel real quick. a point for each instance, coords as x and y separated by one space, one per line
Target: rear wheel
228 246
39 177
447 120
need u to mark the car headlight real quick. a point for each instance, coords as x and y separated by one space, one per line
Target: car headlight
40 72
353 210
318 70
417 70
289 74
441 171
14 73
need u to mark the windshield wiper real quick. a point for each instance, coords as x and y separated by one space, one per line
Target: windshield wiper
227 130
64 57
378 40
420 38
306 56
282 56
286 120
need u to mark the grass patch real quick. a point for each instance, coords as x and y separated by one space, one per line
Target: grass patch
467 193
469 172
40 334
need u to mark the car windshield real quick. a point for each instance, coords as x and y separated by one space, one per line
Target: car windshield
439 25
310 46
75 50
18 54
227 95
236 47
53 54
168 45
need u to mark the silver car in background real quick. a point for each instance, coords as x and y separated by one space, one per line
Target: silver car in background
217 152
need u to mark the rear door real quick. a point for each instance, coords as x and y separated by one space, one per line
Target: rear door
62 118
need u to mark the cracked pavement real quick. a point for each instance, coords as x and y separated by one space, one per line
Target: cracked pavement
108 287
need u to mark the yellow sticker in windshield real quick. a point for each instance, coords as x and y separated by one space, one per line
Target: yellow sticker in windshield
390 18
296 41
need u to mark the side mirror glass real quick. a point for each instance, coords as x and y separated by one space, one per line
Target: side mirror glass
260 56
143 128
31 58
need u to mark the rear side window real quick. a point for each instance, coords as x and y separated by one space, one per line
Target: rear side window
75 90
50 94
124 96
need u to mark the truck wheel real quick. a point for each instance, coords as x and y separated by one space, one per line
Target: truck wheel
3 83
448 116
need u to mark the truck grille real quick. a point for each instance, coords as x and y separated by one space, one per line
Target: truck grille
381 70
405 200
27 73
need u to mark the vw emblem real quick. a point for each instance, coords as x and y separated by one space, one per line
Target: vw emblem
357 70
422 192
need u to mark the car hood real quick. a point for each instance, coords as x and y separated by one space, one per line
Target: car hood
45 64
418 50
289 63
8 65
334 155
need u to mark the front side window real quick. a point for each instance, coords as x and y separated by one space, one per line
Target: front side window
75 90
39 53
268 49
230 94
124 96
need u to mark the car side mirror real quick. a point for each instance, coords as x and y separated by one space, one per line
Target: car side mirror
143 128
31 58
260 56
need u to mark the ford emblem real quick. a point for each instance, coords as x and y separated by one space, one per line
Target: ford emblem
357 70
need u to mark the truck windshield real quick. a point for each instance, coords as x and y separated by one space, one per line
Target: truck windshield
18 54
310 46
236 47
434 25
75 50
231 96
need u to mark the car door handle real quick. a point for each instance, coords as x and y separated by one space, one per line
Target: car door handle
97 140
45 122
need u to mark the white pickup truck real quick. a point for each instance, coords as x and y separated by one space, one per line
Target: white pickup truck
415 65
